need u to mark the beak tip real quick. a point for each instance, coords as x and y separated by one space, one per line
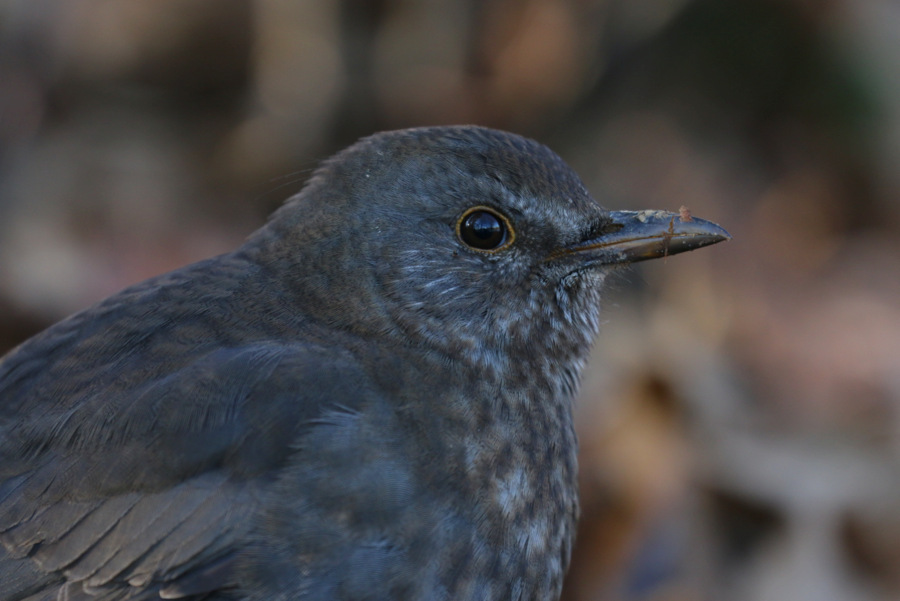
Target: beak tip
717 233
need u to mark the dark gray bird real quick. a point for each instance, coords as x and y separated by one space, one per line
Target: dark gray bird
370 399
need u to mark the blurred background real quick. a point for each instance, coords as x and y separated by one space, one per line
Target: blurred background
740 422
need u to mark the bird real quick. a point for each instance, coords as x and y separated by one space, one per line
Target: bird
370 399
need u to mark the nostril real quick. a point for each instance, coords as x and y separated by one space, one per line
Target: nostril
603 228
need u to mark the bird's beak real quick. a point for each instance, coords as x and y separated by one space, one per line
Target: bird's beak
640 235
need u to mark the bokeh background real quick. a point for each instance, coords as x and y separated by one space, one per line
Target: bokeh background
739 423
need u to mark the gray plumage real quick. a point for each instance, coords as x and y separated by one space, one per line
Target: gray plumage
353 405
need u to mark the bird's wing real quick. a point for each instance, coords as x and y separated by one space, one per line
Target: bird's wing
127 545
130 488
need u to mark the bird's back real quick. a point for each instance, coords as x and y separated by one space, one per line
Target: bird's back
128 445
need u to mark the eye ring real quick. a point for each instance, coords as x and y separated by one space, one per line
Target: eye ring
484 229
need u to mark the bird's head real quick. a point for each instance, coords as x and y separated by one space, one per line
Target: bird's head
469 241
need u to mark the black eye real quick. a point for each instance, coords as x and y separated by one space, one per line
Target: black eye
482 228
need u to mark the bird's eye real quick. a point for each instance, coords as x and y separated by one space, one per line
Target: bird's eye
482 228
